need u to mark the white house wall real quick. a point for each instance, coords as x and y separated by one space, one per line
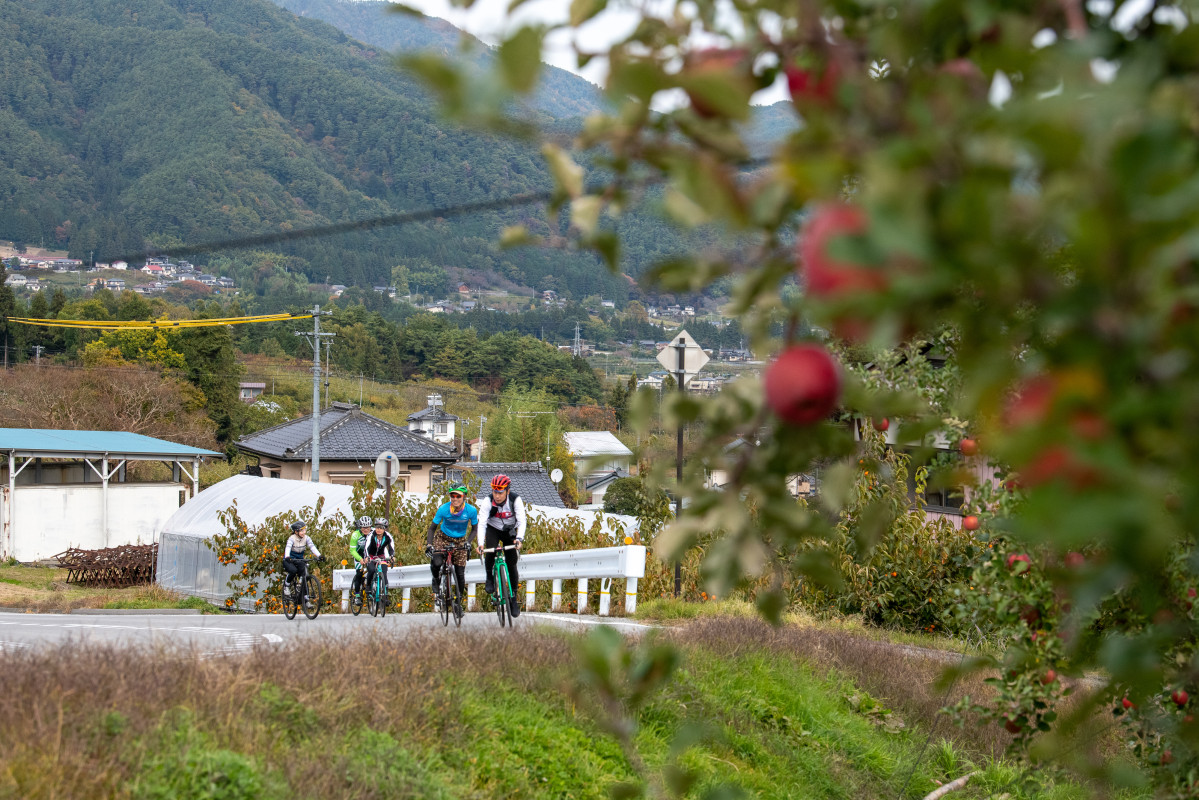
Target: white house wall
46 520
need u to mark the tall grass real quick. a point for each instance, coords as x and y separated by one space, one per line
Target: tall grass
446 714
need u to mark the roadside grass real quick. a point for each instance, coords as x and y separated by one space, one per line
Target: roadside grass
449 714
45 590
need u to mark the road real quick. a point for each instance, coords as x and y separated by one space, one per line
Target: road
218 634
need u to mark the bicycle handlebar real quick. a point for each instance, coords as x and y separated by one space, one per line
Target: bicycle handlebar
493 549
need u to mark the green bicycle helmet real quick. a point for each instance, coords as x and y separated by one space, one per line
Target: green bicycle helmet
457 488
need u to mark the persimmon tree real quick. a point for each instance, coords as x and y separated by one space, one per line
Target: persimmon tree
1019 176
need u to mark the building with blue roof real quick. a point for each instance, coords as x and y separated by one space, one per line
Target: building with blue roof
64 488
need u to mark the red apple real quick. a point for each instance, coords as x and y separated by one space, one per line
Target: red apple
882 425
1012 727
1075 560
1167 757
803 385
1050 677
1127 704
810 86
1180 697
971 523
1015 557
1031 401
1191 592
822 275
968 447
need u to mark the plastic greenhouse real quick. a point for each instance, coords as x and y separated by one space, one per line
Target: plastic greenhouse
185 562
187 565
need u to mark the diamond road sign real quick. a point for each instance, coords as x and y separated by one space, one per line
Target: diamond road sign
694 356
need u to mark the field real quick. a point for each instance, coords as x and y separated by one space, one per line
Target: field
44 589
748 711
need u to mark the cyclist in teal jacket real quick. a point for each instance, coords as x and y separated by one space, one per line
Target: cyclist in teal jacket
449 528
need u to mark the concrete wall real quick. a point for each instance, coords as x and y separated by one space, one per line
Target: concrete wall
348 472
46 520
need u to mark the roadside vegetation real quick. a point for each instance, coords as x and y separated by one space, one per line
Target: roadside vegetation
733 709
45 590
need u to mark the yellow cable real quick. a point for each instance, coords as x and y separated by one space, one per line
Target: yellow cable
136 325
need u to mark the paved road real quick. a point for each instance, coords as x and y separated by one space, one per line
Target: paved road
219 634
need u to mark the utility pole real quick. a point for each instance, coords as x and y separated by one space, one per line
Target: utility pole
37 354
577 348
681 349
360 390
482 419
328 368
315 341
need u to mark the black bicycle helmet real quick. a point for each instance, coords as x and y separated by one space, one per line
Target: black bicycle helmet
298 526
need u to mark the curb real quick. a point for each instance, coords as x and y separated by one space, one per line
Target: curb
137 612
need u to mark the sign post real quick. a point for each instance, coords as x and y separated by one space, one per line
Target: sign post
688 359
385 470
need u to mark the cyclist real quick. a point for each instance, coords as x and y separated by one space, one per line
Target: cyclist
448 529
293 552
357 545
379 551
502 521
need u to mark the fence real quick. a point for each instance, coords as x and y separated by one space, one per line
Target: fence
603 564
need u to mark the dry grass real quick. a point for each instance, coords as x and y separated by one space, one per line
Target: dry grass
45 590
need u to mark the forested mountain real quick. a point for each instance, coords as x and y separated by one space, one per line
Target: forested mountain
189 121
560 94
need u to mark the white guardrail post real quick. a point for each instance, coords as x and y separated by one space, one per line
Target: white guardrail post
625 563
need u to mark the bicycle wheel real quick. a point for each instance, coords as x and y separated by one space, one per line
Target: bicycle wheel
356 600
501 591
445 596
384 595
372 602
457 600
312 597
289 600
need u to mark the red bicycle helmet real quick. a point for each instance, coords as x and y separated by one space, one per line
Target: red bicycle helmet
500 482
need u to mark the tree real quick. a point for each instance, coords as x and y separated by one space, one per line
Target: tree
894 211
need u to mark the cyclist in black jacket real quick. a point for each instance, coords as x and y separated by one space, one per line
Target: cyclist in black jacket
379 546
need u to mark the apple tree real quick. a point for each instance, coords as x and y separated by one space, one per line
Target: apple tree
1018 176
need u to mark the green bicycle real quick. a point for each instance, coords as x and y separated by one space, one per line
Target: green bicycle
376 594
504 591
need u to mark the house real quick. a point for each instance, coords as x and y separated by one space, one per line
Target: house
15 280
67 488
434 422
207 280
153 269
607 304
350 441
596 486
337 289
115 284
799 484
122 265
390 291
248 391
463 289
224 283
470 305
597 454
529 480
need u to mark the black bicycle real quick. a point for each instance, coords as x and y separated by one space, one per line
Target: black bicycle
450 591
358 598
376 594
304 593
504 591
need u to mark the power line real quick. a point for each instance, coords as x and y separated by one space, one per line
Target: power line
389 220
141 325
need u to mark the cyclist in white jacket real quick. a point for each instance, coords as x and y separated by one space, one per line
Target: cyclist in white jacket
298 544
502 521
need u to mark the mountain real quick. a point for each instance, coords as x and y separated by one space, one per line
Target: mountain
124 122
559 94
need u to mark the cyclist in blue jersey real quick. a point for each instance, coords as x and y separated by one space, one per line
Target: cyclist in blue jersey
448 529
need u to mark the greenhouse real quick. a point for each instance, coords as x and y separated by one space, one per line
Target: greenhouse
186 564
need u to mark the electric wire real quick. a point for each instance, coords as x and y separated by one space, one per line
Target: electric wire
169 324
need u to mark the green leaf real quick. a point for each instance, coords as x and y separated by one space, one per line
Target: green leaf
520 58
836 490
568 176
583 10
517 236
584 213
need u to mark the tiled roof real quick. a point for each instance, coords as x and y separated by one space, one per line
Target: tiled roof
347 433
529 480
603 479
432 414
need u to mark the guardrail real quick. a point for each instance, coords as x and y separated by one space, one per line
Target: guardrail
602 563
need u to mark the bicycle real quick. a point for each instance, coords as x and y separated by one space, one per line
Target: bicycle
376 594
309 599
450 592
503 584
358 598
